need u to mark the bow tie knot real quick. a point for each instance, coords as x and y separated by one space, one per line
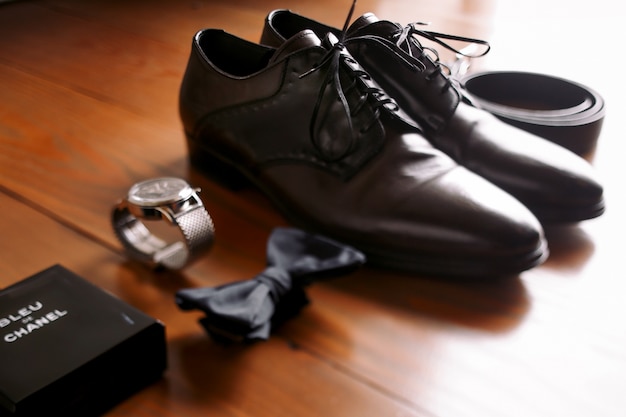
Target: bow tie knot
277 280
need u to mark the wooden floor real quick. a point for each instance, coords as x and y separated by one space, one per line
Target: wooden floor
88 106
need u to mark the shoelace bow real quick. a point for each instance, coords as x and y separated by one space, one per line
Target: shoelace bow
333 58
406 41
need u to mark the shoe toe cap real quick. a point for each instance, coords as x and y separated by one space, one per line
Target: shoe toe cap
456 223
553 182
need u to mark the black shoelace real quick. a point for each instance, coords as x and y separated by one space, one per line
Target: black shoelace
333 59
406 40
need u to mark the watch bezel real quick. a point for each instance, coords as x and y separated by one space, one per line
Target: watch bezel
177 190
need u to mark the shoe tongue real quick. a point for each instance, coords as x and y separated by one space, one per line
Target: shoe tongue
365 25
302 40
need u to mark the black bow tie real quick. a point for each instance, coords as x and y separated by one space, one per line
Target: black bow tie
248 310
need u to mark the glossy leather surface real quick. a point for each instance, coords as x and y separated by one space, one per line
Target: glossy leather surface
562 111
554 183
358 170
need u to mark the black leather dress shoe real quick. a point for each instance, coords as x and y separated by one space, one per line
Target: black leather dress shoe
309 128
556 184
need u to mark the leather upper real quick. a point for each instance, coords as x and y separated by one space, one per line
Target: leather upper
556 184
336 155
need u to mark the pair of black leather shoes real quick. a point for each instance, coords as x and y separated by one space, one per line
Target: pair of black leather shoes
406 172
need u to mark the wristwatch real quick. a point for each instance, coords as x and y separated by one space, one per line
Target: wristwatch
138 221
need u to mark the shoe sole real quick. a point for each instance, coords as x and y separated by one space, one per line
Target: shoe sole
569 214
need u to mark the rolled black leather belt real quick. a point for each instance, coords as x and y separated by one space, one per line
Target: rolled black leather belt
562 111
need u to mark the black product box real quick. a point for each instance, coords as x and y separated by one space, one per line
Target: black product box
68 348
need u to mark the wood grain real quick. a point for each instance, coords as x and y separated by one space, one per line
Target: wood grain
88 106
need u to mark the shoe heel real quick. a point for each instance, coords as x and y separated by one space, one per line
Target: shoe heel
216 168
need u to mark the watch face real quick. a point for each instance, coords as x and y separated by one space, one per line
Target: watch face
159 191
